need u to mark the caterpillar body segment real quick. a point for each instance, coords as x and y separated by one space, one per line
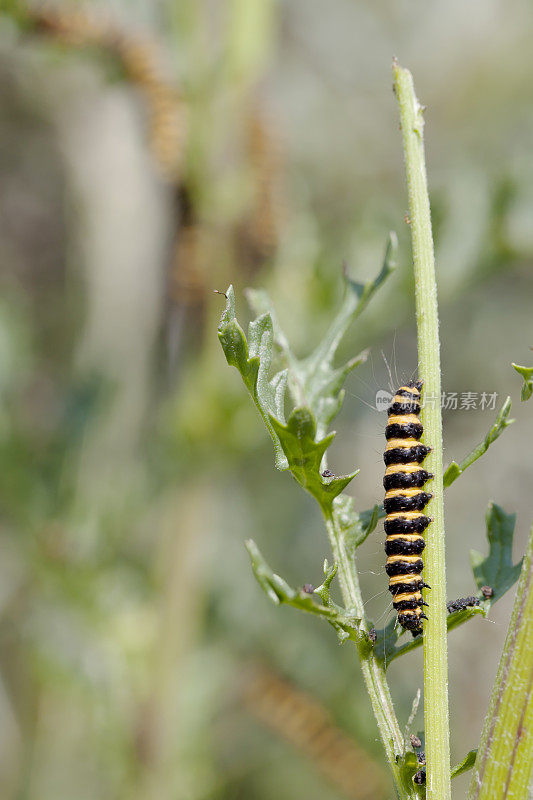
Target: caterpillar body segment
405 500
405 476
404 544
404 503
405 454
403 430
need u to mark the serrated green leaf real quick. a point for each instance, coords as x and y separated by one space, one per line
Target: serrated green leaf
527 374
253 362
497 569
356 299
279 592
467 763
499 425
317 380
304 456
314 381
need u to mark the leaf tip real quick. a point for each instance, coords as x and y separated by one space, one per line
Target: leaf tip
393 241
229 310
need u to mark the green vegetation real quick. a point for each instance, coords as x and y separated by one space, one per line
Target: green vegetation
150 154
315 396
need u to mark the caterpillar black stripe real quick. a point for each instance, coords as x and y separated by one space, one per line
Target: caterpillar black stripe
404 503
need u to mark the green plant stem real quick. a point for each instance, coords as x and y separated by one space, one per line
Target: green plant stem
505 756
435 639
373 672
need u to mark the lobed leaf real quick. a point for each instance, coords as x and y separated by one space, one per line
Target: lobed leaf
314 381
527 374
279 592
497 569
356 299
320 382
305 455
253 361
499 425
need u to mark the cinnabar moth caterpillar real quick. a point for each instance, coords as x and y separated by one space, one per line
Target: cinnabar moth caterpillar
404 503
462 603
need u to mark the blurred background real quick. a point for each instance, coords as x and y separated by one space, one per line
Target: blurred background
151 152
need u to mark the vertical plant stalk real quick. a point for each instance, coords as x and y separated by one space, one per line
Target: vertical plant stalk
505 756
373 672
435 636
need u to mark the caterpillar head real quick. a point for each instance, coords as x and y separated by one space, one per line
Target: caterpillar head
416 385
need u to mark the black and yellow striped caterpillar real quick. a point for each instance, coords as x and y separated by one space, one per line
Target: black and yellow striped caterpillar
404 504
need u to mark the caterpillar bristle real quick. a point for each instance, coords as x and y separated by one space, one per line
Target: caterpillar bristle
404 504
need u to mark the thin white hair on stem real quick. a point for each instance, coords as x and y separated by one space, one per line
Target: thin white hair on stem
412 715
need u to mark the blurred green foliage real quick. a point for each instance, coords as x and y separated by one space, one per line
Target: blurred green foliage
132 465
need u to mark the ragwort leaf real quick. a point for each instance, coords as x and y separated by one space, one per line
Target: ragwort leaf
501 422
497 569
253 362
527 374
279 592
314 381
305 454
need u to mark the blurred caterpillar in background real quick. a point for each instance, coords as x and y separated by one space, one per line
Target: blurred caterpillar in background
267 202
253 234
404 504
300 719
141 60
